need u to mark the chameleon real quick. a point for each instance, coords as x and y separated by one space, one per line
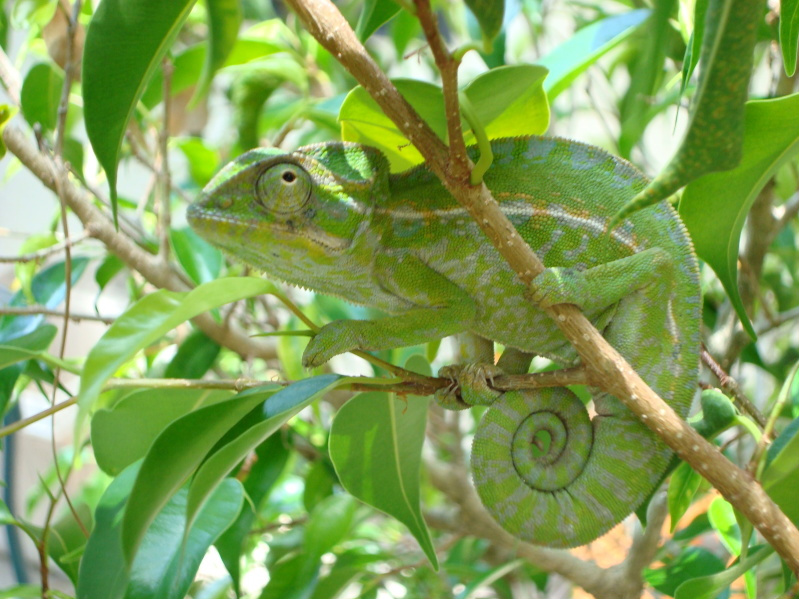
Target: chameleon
332 218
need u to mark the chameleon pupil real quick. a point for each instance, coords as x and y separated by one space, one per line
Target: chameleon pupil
289 177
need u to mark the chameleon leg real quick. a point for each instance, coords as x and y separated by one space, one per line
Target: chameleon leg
547 472
437 308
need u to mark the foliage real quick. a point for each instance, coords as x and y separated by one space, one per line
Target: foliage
247 464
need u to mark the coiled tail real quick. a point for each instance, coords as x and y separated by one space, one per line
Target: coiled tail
553 476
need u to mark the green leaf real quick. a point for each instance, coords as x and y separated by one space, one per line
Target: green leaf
175 455
201 261
692 562
789 34
489 14
279 409
122 434
148 320
41 94
125 43
715 206
6 114
167 568
781 475
203 161
329 523
507 101
363 121
272 456
571 58
224 20
194 357
722 519
374 15
27 346
682 489
707 587
375 445
510 101
490 577
715 136
694 47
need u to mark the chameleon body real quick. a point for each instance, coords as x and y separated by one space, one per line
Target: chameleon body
331 218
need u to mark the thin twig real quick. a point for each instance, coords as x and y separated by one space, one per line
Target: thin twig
730 386
35 310
46 252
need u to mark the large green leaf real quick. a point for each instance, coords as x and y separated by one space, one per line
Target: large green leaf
125 43
682 489
507 101
375 445
278 410
122 434
571 58
789 34
149 319
175 455
714 207
168 566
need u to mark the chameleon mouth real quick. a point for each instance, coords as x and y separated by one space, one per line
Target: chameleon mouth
227 231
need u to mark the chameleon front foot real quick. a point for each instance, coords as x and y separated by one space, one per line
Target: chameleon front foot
470 386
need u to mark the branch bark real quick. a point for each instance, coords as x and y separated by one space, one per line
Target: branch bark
605 366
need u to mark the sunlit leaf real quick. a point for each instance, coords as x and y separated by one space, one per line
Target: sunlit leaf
715 206
125 43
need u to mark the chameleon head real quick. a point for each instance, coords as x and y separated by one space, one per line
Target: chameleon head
292 214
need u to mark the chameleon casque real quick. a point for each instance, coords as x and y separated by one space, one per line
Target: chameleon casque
331 218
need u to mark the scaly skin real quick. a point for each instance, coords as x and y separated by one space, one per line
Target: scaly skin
331 218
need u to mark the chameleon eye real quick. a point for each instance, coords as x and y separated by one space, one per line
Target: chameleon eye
283 189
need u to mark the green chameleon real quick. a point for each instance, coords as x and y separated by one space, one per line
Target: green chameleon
331 218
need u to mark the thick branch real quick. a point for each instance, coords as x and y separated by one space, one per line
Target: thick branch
606 367
101 228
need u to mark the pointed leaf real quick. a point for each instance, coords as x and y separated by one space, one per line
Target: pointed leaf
375 445
781 476
149 319
789 34
571 58
489 14
125 43
165 568
692 562
122 434
715 206
279 409
375 14
175 455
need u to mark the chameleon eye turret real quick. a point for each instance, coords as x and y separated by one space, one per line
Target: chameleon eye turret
284 189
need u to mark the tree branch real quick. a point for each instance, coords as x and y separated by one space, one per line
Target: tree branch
605 366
